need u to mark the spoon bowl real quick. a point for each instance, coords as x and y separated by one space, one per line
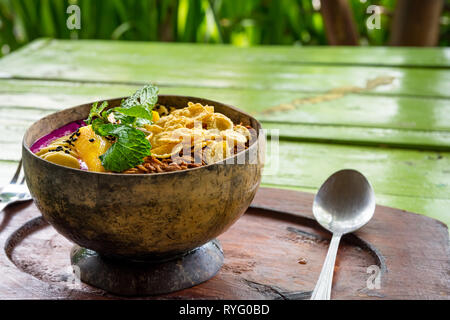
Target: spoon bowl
345 202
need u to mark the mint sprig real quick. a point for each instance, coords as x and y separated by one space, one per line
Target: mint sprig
146 96
131 145
96 111
136 110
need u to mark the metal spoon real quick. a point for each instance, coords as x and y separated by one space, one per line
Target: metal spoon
344 203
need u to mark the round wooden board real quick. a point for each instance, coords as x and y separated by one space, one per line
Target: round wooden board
275 251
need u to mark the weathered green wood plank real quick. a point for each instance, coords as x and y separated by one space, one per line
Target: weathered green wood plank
378 56
392 171
430 207
369 111
405 122
108 62
400 138
352 109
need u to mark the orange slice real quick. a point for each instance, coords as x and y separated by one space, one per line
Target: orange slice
62 159
90 147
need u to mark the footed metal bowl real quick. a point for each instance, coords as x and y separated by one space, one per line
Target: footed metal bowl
142 216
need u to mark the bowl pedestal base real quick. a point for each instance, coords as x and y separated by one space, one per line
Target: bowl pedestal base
132 278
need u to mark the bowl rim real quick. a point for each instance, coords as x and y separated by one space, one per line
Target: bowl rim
254 145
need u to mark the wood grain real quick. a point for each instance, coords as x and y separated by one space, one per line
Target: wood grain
85 61
361 55
262 254
398 122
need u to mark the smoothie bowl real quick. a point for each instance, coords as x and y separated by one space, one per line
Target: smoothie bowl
179 194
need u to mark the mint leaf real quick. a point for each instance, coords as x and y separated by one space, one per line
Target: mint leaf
128 151
136 111
139 106
136 116
97 124
131 145
146 96
96 111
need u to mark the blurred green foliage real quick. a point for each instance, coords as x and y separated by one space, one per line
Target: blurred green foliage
240 22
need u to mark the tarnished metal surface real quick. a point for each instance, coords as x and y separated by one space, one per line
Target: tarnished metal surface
131 278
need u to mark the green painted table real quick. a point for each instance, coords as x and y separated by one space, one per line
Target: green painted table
383 111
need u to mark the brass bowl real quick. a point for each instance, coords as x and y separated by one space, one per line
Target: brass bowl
142 216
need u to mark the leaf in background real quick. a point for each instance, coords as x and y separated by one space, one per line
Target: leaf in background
284 22
128 151
120 31
48 24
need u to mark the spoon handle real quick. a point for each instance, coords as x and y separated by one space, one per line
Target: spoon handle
322 291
